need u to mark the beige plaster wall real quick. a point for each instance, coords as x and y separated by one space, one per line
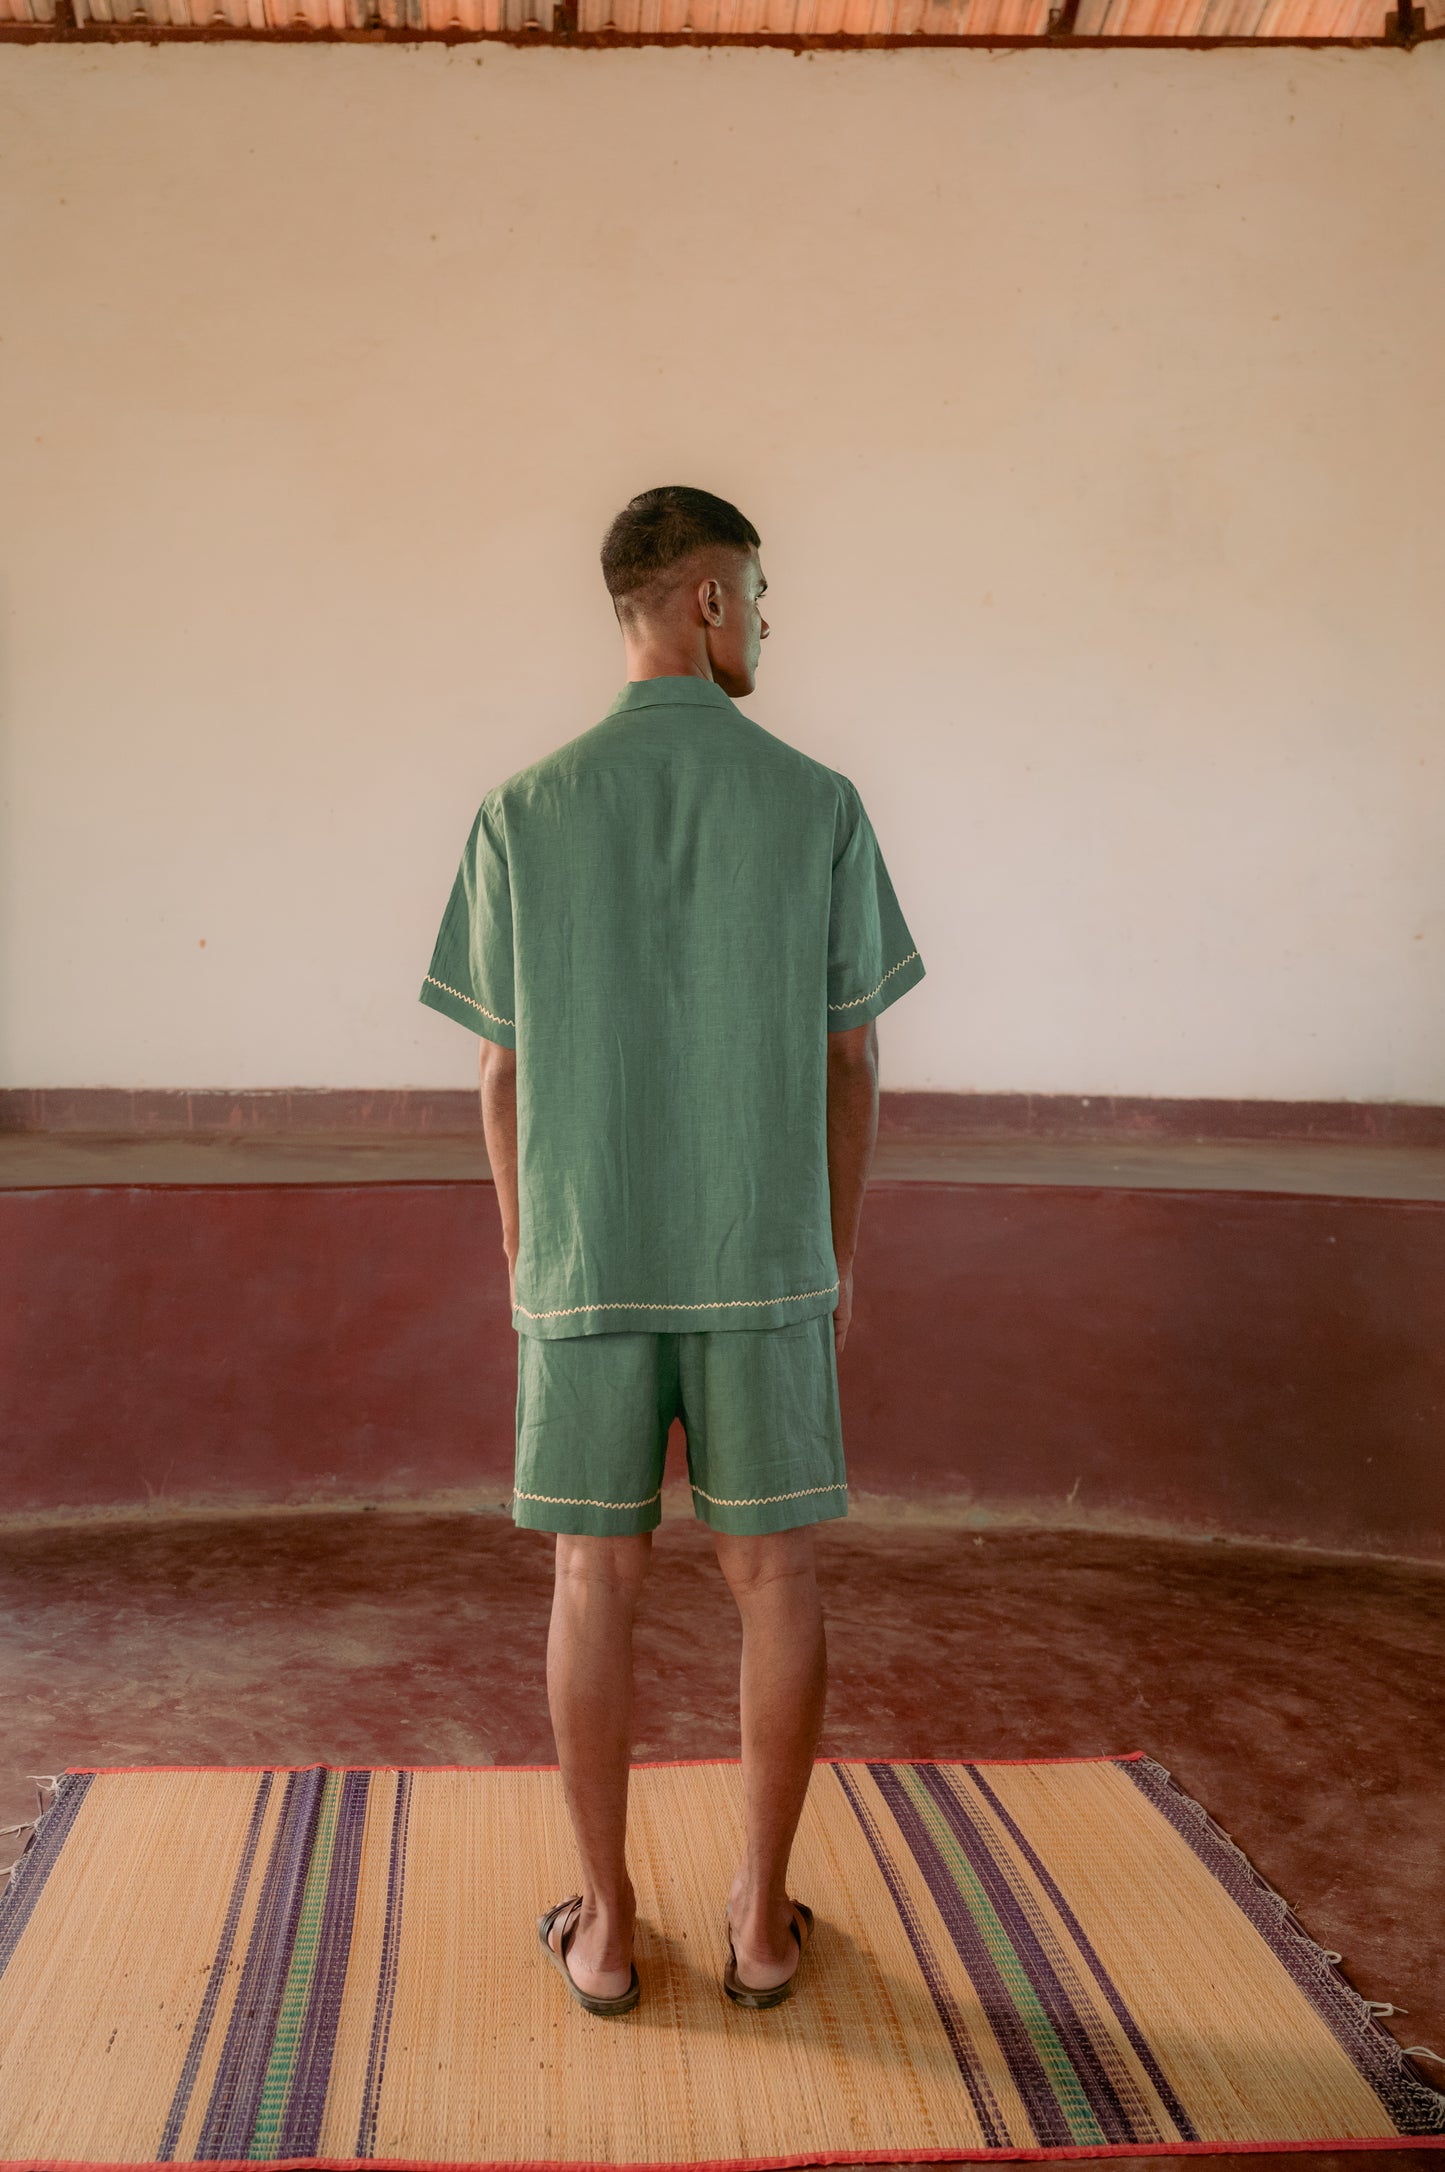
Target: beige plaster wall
1090 408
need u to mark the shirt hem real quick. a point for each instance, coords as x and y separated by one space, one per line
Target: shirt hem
612 1318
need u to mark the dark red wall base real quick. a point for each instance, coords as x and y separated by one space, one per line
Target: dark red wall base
1258 1364
426 1112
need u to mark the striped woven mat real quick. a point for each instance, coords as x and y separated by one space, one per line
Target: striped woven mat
285 1966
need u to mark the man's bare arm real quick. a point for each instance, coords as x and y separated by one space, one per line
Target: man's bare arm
852 1130
499 1129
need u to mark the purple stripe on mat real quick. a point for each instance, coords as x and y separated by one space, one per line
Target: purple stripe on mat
1143 2051
1087 2055
236 2092
981 2096
316 2042
386 1973
1412 2104
27 1880
1045 2112
180 2102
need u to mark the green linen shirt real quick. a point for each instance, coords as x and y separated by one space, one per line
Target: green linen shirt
665 917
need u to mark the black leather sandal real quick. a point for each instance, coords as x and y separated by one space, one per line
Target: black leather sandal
743 1994
603 2007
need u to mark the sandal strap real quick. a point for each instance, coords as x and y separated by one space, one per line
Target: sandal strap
558 1913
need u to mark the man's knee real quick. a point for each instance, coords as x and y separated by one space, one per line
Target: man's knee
615 1565
752 1564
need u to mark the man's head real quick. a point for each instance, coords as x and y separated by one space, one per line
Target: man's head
683 572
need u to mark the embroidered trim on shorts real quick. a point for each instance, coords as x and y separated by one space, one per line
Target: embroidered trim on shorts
765 1500
495 1016
645 1304
854 1001
562 1500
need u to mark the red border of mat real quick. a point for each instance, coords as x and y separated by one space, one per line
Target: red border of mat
719 2164
654 1764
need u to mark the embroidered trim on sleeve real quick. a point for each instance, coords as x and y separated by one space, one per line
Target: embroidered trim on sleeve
643 1304
495 1016
854 1001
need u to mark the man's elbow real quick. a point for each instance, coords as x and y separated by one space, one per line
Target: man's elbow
495 1061
854 1049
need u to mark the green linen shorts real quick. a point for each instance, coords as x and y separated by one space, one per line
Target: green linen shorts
759 1407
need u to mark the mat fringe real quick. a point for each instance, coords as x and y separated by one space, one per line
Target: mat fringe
1410 2099
43 1783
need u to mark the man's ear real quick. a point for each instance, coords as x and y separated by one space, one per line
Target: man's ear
710 603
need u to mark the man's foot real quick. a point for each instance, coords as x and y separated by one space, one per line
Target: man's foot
598 1956
767 1951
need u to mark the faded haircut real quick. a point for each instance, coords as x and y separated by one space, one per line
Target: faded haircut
658 529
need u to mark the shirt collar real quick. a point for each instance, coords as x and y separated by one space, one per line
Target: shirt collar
672 693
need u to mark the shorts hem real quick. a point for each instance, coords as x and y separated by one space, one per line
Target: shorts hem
759 1519
585 1519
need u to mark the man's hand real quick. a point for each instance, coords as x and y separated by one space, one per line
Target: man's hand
498 1082
843 1310
852 1129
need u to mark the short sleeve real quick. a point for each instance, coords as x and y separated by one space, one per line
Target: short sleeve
872 957
471 974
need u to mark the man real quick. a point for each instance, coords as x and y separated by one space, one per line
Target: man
673 936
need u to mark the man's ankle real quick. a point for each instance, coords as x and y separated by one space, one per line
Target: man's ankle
754 1910
613 1913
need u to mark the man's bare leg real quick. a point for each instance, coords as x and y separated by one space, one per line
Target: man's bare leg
784 1678
589 1688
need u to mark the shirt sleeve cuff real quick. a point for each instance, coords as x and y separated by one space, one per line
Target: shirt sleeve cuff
896 981
468 1012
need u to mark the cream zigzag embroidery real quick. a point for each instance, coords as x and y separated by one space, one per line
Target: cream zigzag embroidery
495 1016
854 1001
644 1304
757 1500
562 1500
763 1500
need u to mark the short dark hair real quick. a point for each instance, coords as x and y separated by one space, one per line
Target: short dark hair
657 529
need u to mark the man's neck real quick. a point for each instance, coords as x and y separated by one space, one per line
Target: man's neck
666 659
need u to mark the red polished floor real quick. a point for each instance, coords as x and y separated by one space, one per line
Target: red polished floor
1297 1696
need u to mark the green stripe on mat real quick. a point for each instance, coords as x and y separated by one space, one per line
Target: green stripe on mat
1056 2062
281 2067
